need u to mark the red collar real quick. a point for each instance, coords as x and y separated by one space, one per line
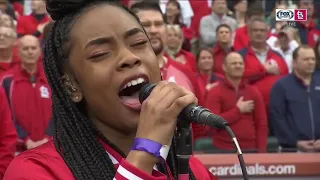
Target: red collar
181 52
114 155
23 74
217 49
251 51
230 85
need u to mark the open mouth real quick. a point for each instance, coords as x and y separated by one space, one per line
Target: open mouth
129 91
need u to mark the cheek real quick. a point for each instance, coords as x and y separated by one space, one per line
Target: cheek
151 64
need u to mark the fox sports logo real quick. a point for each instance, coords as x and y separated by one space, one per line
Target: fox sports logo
285 14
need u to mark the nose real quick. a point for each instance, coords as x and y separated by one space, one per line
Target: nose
153 29
128 60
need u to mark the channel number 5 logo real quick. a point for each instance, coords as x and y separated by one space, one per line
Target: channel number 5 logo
285 15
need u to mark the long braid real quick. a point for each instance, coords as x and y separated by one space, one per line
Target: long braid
75 137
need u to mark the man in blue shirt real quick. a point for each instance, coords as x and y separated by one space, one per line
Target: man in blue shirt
295 104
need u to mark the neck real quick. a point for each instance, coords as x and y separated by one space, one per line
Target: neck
260 46
219 15
170 19
234 81
6 55
206 72
240 16
224 45
123 141
284 49
306 78
40 11
161 60
30 68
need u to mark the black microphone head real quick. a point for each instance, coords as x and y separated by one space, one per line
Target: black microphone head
145 91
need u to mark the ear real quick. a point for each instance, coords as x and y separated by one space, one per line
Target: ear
72 88
223 67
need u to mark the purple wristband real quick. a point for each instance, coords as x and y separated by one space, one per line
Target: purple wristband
147 145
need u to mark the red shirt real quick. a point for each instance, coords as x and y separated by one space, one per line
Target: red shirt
218 56
200 9
241 38
256 74
8 135
203 80
30 103
5 66
28 24
183 76
189 58
45 163
18 7
251 129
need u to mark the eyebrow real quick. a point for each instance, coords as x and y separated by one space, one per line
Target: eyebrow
106 40
132 32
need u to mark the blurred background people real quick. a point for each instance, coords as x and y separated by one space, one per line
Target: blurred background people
240 8
209 23
29 95
174 48
34 23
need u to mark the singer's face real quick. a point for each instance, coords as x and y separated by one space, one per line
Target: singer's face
106 55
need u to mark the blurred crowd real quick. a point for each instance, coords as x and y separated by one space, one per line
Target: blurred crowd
259 74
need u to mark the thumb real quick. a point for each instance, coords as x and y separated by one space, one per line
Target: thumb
241 98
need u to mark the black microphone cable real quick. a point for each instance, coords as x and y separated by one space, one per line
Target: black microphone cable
197 114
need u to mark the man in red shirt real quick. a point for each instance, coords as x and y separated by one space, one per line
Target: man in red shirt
8 135
241 105
241 38
222 47
29 95
34 23
263 66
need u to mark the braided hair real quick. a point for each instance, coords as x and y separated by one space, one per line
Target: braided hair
75 136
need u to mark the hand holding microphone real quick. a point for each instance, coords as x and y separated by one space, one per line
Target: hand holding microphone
158 116
158 120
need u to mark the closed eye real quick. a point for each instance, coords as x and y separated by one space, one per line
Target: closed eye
97 55
142 42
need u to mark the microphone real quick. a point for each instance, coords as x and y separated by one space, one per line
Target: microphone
191 113
200 115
